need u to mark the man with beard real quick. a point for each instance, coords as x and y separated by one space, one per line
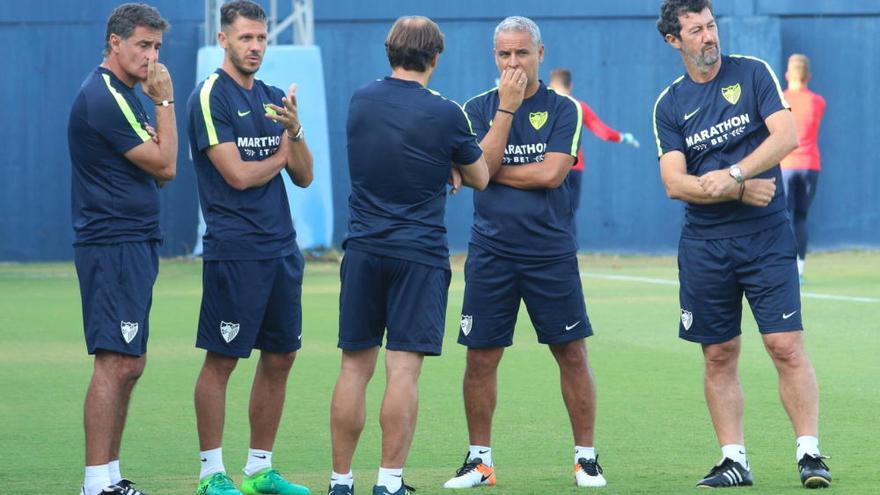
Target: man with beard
721 130
119 162
243 133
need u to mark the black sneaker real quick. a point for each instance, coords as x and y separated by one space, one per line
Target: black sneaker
728 473
340 490
404 490
128 488
814 472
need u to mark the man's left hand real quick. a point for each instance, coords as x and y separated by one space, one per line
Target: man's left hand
717 183
287 115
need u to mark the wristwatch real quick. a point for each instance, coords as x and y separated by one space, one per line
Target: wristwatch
736 173
299 135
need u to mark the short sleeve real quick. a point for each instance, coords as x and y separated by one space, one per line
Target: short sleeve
769 93
666 130
567 125
113 116
211 120
473 108
465 148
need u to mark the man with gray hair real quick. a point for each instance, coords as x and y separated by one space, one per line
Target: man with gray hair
119 162
523 248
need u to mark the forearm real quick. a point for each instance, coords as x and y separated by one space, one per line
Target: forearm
687 188
776 147
166 132
299 163
258 173
495 141
529 176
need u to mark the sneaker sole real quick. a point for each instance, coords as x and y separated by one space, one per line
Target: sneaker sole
816 482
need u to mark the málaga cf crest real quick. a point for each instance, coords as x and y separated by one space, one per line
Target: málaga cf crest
228 330
467 321
731 93
538 119
129 329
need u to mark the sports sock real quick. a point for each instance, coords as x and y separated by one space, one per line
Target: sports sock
800 264
391 479
257 460
346 479
115 475
584 453
735 452
96 479
481 451
212 462
807 444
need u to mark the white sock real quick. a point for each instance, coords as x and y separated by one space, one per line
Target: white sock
481 451
391 479
96 479
584 453
115 475
346 479
735 452
257 460
800 263
807 445
212 462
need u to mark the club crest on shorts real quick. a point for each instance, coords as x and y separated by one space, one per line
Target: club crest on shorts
228 330
538 119
731 93
467 322
129 330
687 319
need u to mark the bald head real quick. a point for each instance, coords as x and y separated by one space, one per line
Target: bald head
798 70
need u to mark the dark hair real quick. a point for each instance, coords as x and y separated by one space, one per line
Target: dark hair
413 42
125 18
244 8
670 10
563 75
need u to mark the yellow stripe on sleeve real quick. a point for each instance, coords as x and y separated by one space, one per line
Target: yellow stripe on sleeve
126 110
205 101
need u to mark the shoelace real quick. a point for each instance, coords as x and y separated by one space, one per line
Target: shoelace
467 467
814 462
591 466
222 480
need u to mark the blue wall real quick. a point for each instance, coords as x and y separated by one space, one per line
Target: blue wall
616 55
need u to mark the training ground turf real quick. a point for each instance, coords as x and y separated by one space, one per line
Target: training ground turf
653 431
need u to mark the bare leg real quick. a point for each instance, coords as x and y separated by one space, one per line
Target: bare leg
267 397
106 404
481 392
400 405
724 395
578 389
348 407
798 389
210 399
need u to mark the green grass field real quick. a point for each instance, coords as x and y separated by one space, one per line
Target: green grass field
654 434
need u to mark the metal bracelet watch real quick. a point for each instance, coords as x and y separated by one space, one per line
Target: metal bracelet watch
736 173
299 135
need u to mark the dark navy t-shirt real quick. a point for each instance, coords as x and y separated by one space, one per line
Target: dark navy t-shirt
528 223
253 224
715 125
402 141
112 200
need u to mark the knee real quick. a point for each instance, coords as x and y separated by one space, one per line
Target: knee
721 357
785 353
481 363
278 363
220 365
120 367
571 356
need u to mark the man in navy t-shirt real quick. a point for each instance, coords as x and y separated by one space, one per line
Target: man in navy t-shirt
243 134
119 162
404 143
721 130
523 248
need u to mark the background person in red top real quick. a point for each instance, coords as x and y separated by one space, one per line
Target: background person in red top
560 81
800 169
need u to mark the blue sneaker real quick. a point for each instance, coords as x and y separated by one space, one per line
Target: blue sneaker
404 490
340 490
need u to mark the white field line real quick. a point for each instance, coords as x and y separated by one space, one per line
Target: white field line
663 281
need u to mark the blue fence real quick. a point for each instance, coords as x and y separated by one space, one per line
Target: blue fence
617 58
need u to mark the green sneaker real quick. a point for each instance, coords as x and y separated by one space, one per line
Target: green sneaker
217 484
269 481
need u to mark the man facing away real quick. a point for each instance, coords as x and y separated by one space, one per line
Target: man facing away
119 162
404 141
243 133
522 248
560 81
800 169
721 130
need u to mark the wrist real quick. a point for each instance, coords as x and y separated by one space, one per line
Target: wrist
504 110
296 136
736 173
163 102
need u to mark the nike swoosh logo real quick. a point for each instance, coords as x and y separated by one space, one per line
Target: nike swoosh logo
242 114
204 460
569 327
687 116
260 456
484 478
482 451
786 316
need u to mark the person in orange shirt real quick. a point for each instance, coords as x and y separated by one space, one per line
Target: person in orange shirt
800 169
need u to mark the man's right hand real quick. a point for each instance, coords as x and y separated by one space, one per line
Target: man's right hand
759 192
511 89
158 86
